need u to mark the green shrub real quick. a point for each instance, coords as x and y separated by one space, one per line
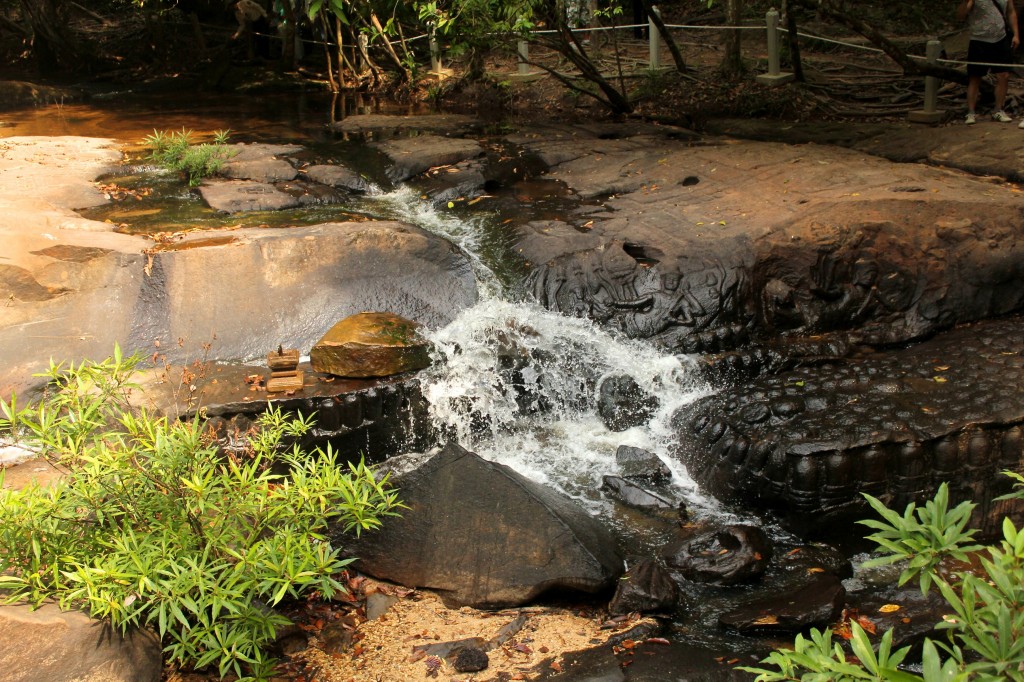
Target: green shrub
176 152
153 526
985 632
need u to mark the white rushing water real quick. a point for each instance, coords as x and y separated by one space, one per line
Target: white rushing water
516 383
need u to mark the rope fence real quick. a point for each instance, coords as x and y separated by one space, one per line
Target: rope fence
774 76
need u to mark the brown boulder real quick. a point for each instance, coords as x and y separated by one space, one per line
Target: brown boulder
371 345
50 645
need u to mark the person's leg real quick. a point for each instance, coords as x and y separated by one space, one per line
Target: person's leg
1002 81
973 88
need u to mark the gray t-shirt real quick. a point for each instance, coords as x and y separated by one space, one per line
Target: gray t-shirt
986 20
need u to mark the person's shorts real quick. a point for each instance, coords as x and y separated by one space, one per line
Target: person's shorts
989 53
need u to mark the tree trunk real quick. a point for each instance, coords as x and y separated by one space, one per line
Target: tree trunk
288 60
732 61
52 44
793 40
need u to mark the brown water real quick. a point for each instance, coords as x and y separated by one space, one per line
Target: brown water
297 117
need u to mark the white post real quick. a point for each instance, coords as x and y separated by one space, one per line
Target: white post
774 75
930 113
523 48
772 20
654 38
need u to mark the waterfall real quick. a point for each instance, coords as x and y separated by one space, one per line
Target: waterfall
516 383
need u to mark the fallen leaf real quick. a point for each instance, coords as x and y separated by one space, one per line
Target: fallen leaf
889 608
815 569
767 620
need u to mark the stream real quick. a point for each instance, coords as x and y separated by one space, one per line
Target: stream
553 433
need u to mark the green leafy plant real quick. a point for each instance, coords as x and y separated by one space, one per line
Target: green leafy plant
985 630
175 151
154 526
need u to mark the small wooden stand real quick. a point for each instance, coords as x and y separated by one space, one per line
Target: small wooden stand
285 374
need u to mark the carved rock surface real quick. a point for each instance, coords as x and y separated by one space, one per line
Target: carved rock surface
808 442
833 240
484 536
371 345
734 554
50 645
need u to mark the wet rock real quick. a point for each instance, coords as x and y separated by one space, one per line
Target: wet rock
464 535
814 559
259 170
807 442
633 495
237 196
645 587
460 182
642 466
385 124
911 616
815 604
469 660
338 176
734 554
655 662
49 644
413 155
623 404
371 345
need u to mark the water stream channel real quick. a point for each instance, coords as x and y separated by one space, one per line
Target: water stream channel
562 443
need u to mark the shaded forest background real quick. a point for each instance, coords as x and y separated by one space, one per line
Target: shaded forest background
374 46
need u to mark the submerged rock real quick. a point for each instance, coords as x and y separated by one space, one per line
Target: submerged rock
485 536
371 345
817 603
633 495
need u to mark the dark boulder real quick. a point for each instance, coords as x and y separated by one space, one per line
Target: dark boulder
642 466
645 587
623 404
485 536
734 554
817 603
